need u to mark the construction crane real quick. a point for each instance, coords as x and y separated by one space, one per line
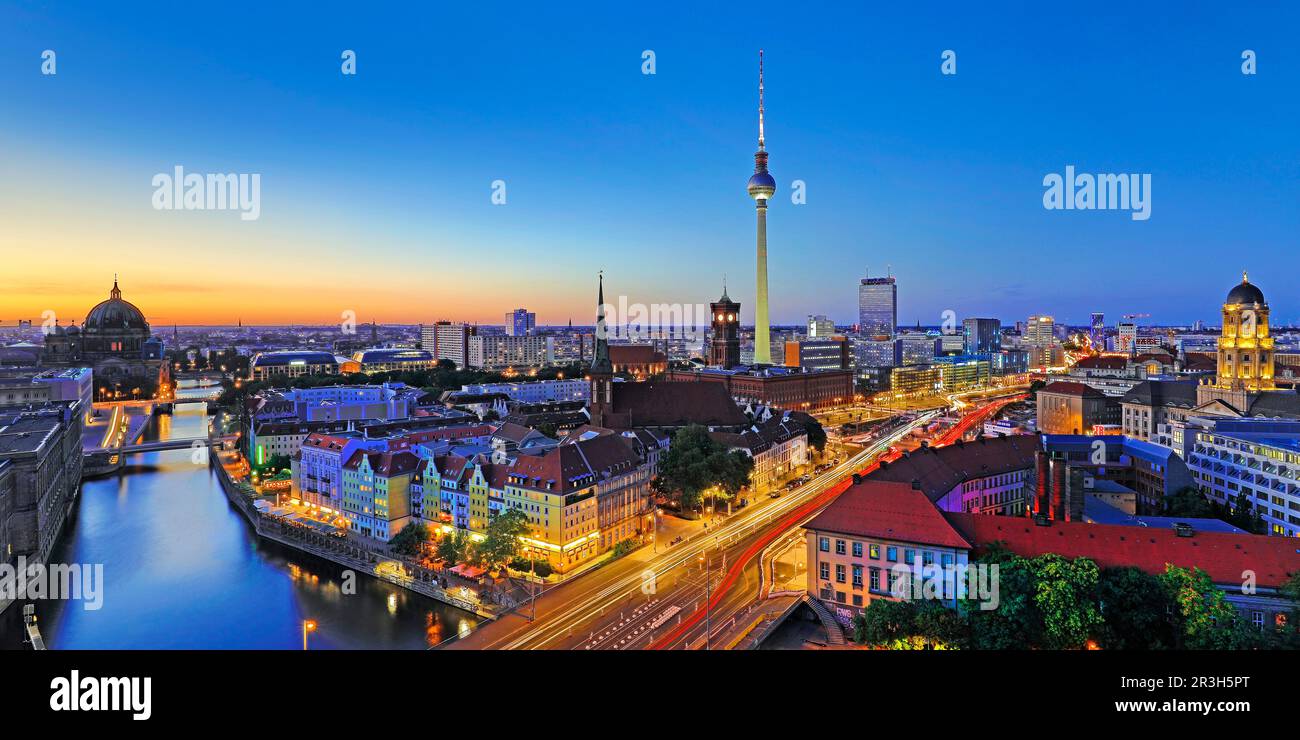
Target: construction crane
1137 315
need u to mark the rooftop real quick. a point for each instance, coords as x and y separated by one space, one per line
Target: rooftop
887 510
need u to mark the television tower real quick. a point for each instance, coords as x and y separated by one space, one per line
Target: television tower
761 187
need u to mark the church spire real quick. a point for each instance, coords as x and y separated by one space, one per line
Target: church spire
600 360
116 293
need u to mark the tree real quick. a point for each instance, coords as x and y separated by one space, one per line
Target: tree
1133 606
1188 501
696 462
501 544
1203 618
453 548
409 541
883 623
1065 593
1017 623
816 435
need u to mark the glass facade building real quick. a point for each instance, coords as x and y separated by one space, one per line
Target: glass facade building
877 307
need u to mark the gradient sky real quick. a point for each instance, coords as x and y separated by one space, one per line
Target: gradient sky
376 188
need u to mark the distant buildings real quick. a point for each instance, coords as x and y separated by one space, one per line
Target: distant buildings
982 336
292 364
385 360
520 322
533 391
778 387
819 354
1040 341
115 341
877 307
451 342
820 327
500 352
1066 407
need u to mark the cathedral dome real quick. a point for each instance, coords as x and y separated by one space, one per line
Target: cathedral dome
115 315
1245 293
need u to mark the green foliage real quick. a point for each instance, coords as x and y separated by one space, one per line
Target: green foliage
454 547
910 625
1065 594
539 568
1203 618
501 544
409 541
696 462
625 546
1133 606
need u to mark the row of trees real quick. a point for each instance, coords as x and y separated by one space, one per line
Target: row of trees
500 545
1050 602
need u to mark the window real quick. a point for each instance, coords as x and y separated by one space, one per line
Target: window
909 556
824 571
927 558
857 576
839 547
875 579
875 552
824 544
839 573
891 554
857 549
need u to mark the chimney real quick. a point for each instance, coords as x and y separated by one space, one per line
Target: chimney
857 478
1183 529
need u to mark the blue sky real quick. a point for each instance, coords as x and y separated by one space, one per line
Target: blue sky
376 188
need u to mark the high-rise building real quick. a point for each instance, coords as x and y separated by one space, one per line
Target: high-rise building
724 337
820 327
1126 339
1040 330
877 308
761 187
451 342
983 336
916 349
520 322
1098 334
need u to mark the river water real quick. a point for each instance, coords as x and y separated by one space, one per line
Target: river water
182 569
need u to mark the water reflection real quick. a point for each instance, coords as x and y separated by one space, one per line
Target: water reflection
183 570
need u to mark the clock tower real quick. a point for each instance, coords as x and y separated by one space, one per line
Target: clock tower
724 341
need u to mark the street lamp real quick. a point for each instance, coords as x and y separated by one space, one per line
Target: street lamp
308 625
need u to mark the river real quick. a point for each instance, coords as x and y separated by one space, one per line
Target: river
182 569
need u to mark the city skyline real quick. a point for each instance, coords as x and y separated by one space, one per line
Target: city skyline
938 177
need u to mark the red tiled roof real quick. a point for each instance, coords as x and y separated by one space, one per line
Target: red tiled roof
1222 555
887 510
